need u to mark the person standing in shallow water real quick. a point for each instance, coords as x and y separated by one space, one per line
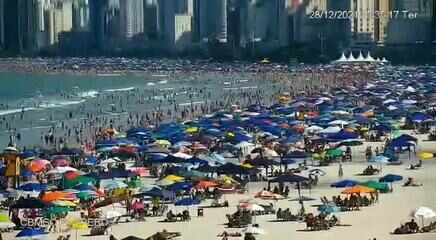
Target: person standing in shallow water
340 171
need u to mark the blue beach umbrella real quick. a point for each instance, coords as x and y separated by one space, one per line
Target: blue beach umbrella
391 178
31 233
328 209
33 187
344 183
187 202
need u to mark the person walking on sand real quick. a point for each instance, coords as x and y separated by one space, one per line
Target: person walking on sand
340 171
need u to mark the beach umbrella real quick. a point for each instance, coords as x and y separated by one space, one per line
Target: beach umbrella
135 183
61 170
112 214
423 213
4 218
267 195
174 178
328 209
60 162
317 171
70 175
57 195
38 165
344 183
33 187
302 199
56 211
187 202
86 195
330 130
358 190
379 159
62 203
28 203
180 186
254 230
426 155
251 207
31 233
391 178
113 184
383 187
78 225
334 153
291 178
350 142
206 184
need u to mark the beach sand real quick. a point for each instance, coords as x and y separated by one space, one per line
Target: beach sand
370 222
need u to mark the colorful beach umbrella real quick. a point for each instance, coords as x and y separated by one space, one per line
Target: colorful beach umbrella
31 233
358 190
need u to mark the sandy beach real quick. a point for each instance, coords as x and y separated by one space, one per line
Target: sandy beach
377 221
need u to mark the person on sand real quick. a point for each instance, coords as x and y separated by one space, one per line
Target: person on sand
249 236
340 171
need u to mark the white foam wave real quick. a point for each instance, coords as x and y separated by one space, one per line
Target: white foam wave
193 103
88 94
12 111
151 84
163 82
56 104
120 89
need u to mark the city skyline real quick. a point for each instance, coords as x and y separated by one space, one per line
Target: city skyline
176 26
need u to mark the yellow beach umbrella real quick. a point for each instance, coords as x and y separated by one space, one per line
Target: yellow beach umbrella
247 165
77 225
64 203
174 178
426 156
163 142
192 130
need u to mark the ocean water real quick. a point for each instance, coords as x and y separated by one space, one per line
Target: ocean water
32 103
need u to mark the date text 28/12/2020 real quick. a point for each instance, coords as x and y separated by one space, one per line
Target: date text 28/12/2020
394 14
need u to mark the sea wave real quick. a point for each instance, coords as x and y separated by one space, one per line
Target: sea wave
88 94
120 89
189 103
57 103
13 111
163 82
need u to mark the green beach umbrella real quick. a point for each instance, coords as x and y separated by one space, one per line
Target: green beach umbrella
78 180
85 196
136 183
56 211
4 218
376 185
333 153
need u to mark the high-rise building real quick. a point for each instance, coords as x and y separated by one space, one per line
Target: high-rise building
211 20
363 23
415 30
175 22
20 25
131 18
150 19
59 19
81 15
